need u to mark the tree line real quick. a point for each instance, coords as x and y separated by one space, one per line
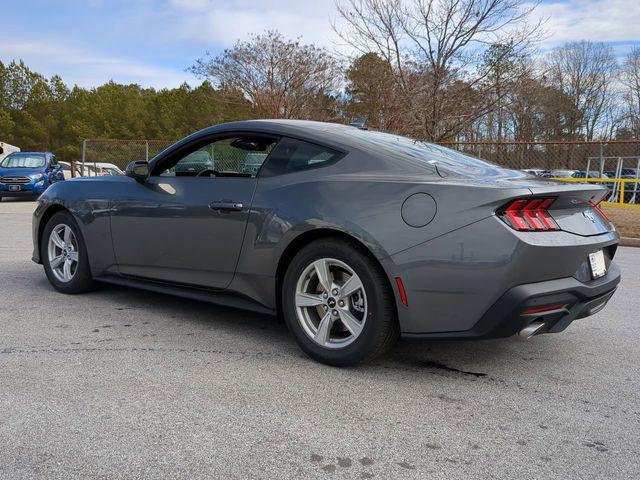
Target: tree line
437 70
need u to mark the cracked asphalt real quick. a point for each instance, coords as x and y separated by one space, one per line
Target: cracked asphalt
122 384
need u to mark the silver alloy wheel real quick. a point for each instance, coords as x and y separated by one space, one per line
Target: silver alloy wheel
331 303
63 253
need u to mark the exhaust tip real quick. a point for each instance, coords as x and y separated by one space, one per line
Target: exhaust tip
532 329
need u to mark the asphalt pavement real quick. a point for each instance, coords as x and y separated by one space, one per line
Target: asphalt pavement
125 384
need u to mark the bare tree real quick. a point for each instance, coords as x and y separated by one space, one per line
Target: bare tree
631 82
432 45
281 78
585 72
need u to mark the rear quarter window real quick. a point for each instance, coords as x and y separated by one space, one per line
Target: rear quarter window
291 155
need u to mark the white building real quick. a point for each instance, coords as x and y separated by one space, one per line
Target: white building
6 149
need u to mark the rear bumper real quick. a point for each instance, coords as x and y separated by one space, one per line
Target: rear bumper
466 283
507 316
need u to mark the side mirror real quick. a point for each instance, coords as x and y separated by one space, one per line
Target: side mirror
138 170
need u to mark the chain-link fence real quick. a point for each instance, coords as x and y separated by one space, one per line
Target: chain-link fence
223 156
555 155
117 152
583 156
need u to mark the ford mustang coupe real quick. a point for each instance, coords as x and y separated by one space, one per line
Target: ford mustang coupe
354 237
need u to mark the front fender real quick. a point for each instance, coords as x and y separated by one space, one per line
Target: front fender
88 201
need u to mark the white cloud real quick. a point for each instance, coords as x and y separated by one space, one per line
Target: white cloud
150 43
221 23
88 69
596 20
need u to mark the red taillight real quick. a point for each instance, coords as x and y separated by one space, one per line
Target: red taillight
529 215
598 209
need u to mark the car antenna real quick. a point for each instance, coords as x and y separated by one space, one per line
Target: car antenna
359 122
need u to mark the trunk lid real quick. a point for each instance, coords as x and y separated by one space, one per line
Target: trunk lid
575 208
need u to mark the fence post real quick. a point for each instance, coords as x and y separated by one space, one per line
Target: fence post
84 155
601 160
146 150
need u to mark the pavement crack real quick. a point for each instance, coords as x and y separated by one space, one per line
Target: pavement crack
442 366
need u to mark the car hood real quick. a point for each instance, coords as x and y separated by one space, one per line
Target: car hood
19 172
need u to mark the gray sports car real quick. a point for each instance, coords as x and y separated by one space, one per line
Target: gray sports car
354 237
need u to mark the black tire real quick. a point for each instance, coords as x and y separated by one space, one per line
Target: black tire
82 280
380 330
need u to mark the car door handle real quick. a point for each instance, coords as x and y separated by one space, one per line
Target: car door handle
226 206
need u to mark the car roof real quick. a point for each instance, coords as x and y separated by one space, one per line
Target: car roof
321 132
333 135
103 164
30 153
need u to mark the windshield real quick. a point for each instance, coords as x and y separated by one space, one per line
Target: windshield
425 153
21 160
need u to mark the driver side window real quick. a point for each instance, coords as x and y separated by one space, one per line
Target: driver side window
238 156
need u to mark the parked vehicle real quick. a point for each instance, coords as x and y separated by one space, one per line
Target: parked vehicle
104 169
631 191
563 173
253 162
28 174
101 169
624 173
66 169
595 174
355 237
539 172
591 174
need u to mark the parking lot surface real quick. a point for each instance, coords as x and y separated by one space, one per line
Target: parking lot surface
128 384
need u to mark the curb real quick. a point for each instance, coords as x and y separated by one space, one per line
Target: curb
629 242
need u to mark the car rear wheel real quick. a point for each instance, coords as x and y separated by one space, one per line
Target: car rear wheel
338 304
64 255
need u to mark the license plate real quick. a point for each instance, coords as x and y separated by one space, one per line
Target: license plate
598 266
14 188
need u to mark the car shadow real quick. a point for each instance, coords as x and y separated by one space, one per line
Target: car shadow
205 326
265 333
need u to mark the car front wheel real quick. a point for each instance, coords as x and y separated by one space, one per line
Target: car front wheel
64 255
338 304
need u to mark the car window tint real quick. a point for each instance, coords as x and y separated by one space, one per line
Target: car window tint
237 156
292 155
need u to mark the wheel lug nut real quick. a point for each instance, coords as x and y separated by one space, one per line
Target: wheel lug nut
335 291
341 303
325 295
335 313
325 308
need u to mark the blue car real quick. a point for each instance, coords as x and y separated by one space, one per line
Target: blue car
28 174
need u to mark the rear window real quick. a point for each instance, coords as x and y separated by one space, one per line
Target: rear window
292 155
424 153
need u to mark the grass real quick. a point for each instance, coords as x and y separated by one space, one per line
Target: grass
626 220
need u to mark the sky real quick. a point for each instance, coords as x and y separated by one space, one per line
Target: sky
153 42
